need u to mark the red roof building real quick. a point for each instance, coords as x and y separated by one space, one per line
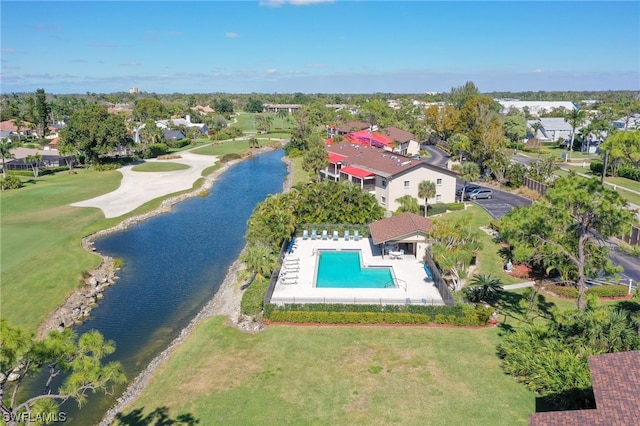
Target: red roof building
386 175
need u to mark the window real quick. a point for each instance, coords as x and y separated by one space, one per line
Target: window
384 200
438 198
384 183
406 183
439 181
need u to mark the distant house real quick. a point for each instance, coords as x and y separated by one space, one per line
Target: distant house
50 158
386 175
186 122
627 123
553 128
203 109
290 108
535 108
172 135
616 386
26 128
405 141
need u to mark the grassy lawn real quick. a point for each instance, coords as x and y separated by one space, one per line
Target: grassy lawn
229 147
159 167
42 258
621 183
299 175
489 260
337 375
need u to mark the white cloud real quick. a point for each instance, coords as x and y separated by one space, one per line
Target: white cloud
538 71
272 71
8 50
42 27
130 64
278 3
230 34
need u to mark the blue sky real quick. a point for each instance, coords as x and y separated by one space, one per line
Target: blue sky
316 46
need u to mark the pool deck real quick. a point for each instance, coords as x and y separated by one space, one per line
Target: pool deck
296 283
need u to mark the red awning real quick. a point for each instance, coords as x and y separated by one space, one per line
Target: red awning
354 171
336 158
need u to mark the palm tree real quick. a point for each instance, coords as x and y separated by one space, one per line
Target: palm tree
484 288
5 153
426 190
34 161
575 117
470 171
282 114
408 204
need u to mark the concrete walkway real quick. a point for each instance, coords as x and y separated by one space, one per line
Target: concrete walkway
519 285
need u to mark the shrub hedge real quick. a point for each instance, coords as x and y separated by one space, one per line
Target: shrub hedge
437 208
460 315
629 173
596 167
600 291
251 303
455 206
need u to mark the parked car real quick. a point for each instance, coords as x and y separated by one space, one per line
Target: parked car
479 193
467 189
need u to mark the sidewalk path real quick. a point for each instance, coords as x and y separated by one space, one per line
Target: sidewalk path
138 188
519 285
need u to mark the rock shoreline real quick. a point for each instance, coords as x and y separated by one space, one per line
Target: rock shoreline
226 301
77 307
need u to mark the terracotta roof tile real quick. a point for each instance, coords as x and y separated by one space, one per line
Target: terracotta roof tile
616 387
397 227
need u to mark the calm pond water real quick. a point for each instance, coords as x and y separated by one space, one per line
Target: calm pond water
173 265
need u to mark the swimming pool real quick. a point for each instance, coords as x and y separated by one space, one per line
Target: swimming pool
343 269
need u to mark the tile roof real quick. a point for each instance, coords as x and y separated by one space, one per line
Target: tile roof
353 126
379 161
616 387
398 135
395 228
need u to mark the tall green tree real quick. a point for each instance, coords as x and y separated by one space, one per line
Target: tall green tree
426 190
41 113
149 109
570 225
316 157
150 133
80 359
5 154
622 148
458 96
575 117
460 144
515 127
453 247
469 172
92 131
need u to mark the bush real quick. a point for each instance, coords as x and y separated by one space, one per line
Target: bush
629 250
106 167
609 290
10 182
179 143
562 290
230 157
252 298
596 167
437 208
461 315
154 150
629 173
455 206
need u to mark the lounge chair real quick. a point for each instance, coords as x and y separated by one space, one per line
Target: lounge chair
292 282
314 234
356 235
335 236
305 235
346 235
292 259
289 280
324 235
